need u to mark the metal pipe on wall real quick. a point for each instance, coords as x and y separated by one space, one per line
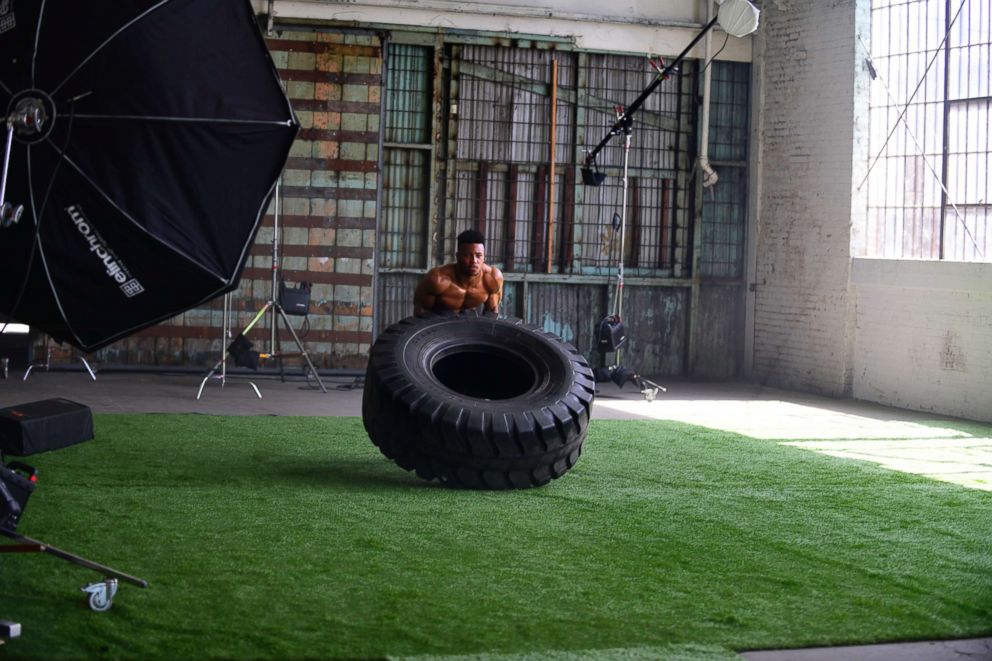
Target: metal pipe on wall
709 175
551 169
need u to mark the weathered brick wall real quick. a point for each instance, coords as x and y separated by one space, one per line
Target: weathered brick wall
802 319
326 216
924 336
329 187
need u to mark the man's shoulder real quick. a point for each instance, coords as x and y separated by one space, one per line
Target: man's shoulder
444 272
438 277
494 273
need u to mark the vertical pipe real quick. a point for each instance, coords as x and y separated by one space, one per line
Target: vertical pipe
482 197
551 159
709 175
225 337
635 224
947 127
618 303
510 217
666 244
567 223
275 267
540 197
380 176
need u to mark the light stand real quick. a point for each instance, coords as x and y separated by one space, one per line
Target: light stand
225 338
738 18
240 347
47 365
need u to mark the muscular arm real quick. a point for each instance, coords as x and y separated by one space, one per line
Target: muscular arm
429 288
495 289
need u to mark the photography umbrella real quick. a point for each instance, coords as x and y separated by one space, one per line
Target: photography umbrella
147 140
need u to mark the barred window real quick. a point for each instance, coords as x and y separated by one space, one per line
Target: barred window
929 179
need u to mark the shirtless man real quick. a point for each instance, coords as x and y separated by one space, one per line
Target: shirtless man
464 285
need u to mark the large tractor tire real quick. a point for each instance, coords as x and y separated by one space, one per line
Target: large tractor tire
477 402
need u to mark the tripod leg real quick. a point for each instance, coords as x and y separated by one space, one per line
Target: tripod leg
278 345
212 371
303 351
88 368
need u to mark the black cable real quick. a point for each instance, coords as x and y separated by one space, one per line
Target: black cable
725 40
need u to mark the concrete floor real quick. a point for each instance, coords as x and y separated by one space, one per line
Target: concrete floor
908 441
940 448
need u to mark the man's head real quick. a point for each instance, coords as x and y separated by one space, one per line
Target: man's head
471 252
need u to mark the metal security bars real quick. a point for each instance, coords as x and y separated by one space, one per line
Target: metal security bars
930 180
501 105
406 158
724 205
509 124
659 200
408 149
503 185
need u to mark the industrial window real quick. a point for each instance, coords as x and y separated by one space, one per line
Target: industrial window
538 223
929 179
721 252
406 158
468 143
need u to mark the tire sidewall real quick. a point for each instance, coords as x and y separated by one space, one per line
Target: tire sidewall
429 341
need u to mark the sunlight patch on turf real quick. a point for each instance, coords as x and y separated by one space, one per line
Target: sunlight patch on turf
963 461
774 419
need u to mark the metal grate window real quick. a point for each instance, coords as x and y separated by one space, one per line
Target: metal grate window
408 82
724 214
406 158
658 202
729 102
503 148
930 181
725 204
501 107
403 235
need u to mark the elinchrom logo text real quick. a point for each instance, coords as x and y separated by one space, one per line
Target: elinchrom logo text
114 266
8 21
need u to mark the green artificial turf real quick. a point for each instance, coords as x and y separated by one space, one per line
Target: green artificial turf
281 537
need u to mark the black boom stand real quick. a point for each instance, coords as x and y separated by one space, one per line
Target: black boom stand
738 18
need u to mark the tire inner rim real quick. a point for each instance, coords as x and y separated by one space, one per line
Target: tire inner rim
485 372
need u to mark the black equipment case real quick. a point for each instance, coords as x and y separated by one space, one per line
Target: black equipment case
610 334
44 425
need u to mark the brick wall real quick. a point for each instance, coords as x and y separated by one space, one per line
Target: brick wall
806 95
327 216
924 336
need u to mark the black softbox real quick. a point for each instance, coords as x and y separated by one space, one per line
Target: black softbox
163 130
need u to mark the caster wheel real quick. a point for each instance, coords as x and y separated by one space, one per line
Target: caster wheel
100 601
102 594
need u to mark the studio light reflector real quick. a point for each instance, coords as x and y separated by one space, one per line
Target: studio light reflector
738 18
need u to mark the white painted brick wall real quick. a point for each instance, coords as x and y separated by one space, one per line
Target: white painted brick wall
802 271
924 336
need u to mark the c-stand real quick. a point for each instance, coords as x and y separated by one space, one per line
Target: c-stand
240 347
